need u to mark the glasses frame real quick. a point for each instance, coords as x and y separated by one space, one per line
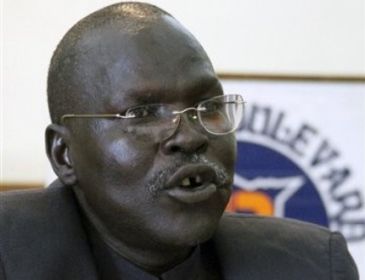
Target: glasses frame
177 113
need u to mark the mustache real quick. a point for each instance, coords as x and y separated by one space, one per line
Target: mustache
158 181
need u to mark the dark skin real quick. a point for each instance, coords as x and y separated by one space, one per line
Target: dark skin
110 168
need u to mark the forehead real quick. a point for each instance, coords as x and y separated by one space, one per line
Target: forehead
162 60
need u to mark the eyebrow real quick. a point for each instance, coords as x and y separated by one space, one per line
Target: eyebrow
149 95
203 86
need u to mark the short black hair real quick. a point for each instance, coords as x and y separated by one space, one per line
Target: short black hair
62 97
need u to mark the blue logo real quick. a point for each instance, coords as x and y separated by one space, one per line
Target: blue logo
268 183
287 168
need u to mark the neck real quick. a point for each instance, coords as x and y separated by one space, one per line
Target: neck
156 258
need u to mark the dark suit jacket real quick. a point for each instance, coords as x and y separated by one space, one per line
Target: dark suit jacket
42 238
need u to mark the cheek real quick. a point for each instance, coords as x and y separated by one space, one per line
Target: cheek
110 158
122 153
127 158
225 149
110 171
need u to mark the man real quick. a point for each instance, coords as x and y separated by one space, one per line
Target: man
142 143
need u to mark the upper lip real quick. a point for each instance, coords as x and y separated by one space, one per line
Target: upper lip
206 173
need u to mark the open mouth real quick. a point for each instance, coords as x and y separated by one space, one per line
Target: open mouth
192 183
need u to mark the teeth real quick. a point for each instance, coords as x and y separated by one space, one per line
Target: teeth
191 181
185 182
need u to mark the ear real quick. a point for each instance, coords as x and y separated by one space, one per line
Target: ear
58 152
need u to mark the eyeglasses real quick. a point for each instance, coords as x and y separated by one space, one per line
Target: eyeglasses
219 115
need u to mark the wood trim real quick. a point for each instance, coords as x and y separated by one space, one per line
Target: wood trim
20 186
290 77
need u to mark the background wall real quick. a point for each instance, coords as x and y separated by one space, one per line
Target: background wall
284 36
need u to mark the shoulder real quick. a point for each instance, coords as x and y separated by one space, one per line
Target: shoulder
42 227
46 209
260 227
20 201
278 248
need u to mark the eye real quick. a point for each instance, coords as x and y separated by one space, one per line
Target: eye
137 112
144 111
210 106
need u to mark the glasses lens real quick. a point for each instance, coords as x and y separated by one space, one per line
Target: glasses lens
155 121
221 115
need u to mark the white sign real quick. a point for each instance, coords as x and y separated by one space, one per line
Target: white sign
301 154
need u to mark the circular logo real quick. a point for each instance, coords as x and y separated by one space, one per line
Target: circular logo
269 183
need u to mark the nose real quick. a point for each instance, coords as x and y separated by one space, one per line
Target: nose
186 139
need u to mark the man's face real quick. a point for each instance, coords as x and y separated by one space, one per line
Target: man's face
133 181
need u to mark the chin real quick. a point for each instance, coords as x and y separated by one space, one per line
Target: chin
202 236
195 232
